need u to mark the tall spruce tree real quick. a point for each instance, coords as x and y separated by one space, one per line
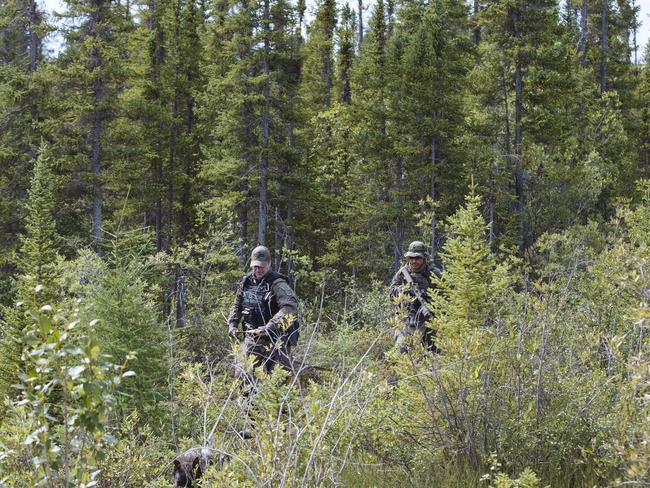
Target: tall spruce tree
22 89
431 73
247 111
37 259
90 78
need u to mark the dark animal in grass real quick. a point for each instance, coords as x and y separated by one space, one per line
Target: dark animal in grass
190 465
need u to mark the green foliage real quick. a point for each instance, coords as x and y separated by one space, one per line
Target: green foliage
38 260
67 390
129 326
466 297
182 131
136 458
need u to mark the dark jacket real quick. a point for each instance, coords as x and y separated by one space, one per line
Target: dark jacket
264 303
422 280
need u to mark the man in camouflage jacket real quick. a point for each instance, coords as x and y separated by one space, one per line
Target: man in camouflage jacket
416 313
268 309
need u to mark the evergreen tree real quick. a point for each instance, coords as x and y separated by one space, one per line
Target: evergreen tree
22 91
37 261
90 77
464 297
247 109
129 326
345 58
428 106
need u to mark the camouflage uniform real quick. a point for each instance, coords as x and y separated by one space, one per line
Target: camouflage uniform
262 304
415 318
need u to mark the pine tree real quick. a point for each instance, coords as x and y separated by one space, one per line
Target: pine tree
363 236
464 296
345 58
128 325
248 110
37 261
89 78
22 88
523 46
431 74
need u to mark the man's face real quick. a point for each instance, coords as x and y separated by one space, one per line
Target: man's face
260 271
416 263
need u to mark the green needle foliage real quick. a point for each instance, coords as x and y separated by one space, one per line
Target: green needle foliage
37 261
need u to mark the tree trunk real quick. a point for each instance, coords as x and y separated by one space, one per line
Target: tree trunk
518 168
188 174
35 46
360 13
519 171
491 203
604 47
171 170
4 48
96 162
399 204
433 193
584 33
156 61
327 75
290 188
180 297
278 237
477 28
421 185
635 45
264 161
94 65
242 216
158 175
34 40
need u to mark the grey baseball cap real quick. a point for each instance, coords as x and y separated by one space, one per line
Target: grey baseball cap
260 256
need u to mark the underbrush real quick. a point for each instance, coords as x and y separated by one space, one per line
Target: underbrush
541 381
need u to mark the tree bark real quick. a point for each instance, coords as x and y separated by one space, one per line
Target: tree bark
96 162
94 65
433 193
4 48
477 28
157 61
360 14
518 166
635 45
34 40
180 297
604 46
327 71
171 170
35 47
399 204
584 33
264 160
242 217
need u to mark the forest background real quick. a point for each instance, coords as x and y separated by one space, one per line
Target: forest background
166 138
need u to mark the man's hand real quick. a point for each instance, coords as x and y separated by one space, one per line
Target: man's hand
424 310
256 332
233 332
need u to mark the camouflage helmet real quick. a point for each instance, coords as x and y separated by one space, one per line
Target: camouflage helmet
261 256
417 249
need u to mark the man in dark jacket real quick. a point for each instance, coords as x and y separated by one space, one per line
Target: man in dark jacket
268 309
414 279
